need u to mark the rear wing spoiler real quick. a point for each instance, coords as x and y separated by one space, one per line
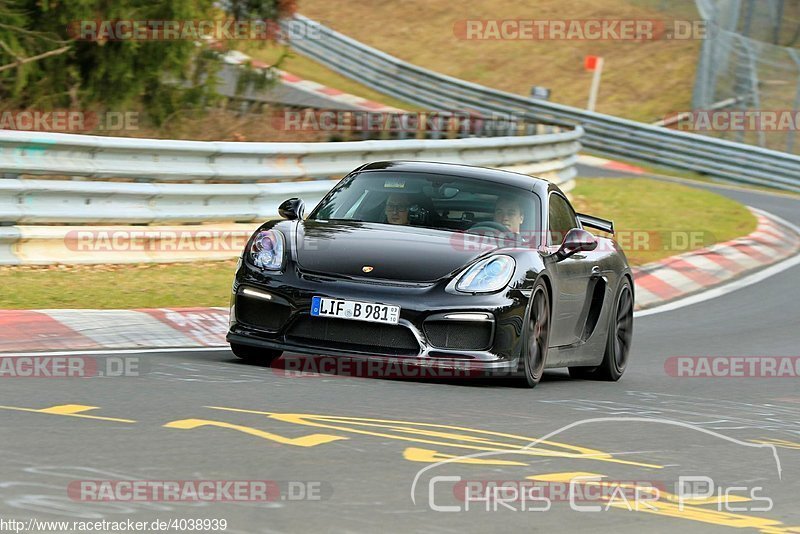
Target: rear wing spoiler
596 222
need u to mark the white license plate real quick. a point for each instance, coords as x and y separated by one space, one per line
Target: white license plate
357 311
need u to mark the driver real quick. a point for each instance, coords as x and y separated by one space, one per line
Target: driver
396 209
509 212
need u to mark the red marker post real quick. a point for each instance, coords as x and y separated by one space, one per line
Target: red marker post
594 64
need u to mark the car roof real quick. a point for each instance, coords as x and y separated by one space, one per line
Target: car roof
515 179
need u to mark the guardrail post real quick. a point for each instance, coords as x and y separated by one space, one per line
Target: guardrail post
793 131
436 130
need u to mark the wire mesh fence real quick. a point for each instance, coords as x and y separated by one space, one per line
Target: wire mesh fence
750 58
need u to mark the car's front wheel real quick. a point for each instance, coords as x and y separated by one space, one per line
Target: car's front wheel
255 354
537 337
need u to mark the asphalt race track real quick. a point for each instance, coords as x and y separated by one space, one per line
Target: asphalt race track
345 451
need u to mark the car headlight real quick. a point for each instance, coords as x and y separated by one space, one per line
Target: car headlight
266 250
488 275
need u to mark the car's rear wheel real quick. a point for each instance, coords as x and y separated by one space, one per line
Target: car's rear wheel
537 337
618 346
255 354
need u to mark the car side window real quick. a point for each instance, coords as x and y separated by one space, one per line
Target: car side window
561 218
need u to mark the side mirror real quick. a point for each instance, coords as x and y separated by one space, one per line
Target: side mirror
292 209
575 241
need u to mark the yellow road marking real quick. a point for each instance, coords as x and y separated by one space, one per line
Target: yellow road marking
714 517
421 435
69 410
778 443
668 504
413 454
418 432
312 440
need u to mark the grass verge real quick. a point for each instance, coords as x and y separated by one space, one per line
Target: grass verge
657 208
655 220
116 286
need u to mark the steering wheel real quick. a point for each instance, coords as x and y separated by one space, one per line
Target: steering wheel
491 225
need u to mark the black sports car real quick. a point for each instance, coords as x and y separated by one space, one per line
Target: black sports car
434 262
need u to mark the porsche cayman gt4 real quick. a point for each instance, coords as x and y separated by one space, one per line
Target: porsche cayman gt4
438 263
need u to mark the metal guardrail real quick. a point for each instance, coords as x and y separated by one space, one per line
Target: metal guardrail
165 160
156 165
71 202
607 134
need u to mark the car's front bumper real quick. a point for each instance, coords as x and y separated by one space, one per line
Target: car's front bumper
288 298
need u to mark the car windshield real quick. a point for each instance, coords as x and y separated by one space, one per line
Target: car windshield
432 201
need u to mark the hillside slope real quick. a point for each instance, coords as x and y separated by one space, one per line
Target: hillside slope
642 80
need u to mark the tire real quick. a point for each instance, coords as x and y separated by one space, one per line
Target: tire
255 354
536 338
618 345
